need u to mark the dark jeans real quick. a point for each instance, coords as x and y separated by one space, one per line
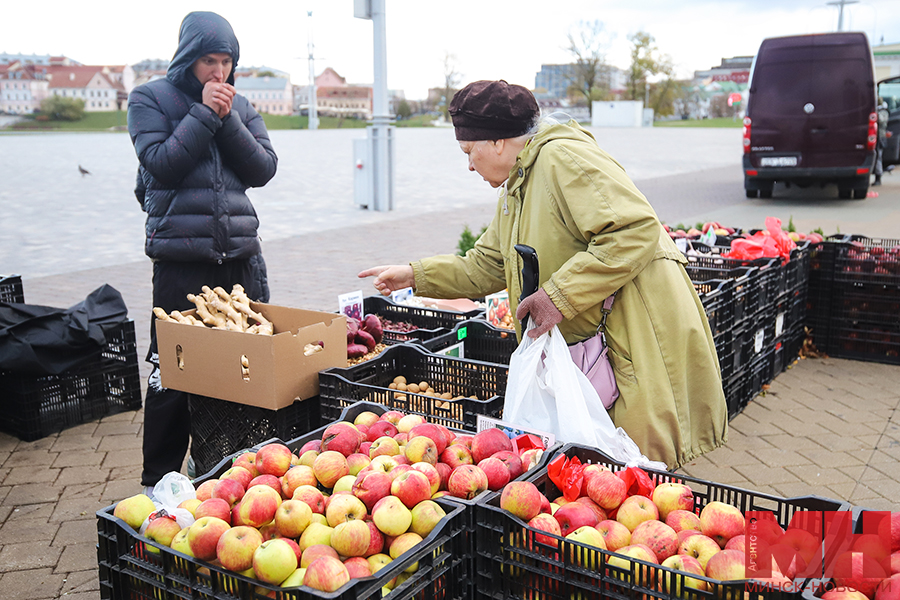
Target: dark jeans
167 419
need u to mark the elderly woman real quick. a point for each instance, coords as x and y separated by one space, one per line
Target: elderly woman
595 234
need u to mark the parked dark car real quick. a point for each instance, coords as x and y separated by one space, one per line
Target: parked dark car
889 92
811 114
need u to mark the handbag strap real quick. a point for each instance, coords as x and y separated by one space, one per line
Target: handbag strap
605 310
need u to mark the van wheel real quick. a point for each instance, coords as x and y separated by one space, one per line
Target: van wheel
765 193
752 193
860 193
844 193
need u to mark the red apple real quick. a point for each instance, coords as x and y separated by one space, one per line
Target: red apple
312 497
432 431
214 507
634 510
545 522
258 505
247 460
685 564
858 571
444 470
467 481
699 546
235 547
496 471
269 480
292 518
607 490
358 567
344 507
574 515
431 473
614 534
203 536
682 519
295 477
421 449
457 454
240 474
411 487
657 536
372 486
341 437
721 522
488 442
889 588
598 510
512 462
726 565
521 498
381 428
330 466
351 538
274 459
669 496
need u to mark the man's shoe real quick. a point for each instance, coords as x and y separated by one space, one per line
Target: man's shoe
877 180
148 491
191 467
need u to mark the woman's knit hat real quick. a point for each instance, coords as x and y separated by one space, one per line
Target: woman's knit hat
492 110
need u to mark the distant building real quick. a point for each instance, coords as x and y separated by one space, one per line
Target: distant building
887 61
101 87
37 59
334 97
271 95
736 69
22 88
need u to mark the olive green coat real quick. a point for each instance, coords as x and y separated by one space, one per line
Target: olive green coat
595 233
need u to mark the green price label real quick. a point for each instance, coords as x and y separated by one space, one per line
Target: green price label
462 333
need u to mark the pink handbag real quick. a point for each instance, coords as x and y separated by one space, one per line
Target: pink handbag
590 356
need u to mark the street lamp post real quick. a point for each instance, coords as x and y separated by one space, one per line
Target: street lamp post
380 132
840 4
312 104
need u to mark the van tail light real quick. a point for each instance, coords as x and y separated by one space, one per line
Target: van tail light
747 123
872 137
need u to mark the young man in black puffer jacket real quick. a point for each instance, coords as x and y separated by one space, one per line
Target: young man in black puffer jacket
200 146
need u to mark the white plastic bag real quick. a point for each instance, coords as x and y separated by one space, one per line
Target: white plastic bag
546 391
173 489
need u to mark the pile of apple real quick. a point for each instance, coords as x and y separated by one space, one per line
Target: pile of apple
345 506
870 569
663 529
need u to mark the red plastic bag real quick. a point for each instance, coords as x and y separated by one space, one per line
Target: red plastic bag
527 441
567 475
774 242
638 481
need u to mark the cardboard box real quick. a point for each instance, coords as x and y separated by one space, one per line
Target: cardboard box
209 362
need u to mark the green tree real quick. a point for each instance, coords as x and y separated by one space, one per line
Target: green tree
644 63
403 109
467 240
59 108
590 76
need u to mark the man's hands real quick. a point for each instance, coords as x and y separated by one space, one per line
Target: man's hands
218 96
390 278
543 312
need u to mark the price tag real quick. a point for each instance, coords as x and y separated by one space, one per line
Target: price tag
462 333
456 351
708 238
351 305
512 431
400 296
758 340
779 324
681 244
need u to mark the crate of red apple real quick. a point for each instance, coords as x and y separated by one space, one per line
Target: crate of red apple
862 558
586 523
354 508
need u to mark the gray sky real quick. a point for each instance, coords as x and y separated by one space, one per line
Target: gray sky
490 39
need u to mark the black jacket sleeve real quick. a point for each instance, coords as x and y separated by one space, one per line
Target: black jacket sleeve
245 146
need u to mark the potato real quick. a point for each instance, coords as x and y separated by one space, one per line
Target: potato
412 388
423 385
393 386
447 396
399 379
399 396
401 387
430 391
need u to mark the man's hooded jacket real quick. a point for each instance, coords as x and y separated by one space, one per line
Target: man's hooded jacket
194 166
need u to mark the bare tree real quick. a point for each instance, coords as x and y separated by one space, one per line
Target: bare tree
452 77
590 75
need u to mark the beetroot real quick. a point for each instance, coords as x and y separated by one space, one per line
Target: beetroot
372 325
364 337
356 350
352 328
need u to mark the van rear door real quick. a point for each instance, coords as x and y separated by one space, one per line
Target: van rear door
812 100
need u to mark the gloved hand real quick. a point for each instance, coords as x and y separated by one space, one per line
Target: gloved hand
542 310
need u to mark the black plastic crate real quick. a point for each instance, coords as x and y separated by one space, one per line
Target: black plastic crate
733 387
219 427
480 341
790 312
430 322
795 272
744 291
11 289
755 337
787 349
128 571
35 406
870 261
717 297
511 563
370 380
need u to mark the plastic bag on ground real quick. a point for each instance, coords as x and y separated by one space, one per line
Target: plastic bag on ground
547 392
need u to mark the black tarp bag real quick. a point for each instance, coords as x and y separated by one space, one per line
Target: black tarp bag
49 341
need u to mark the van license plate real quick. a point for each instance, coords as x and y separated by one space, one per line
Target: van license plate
778 161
